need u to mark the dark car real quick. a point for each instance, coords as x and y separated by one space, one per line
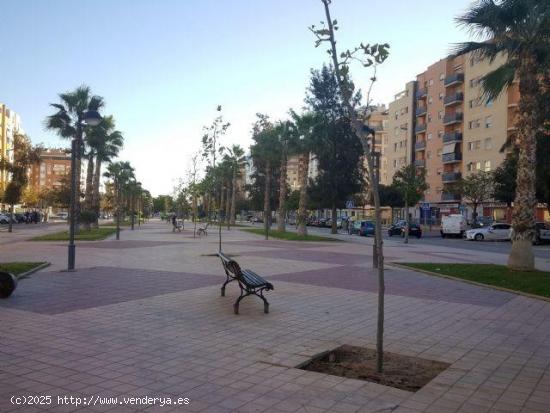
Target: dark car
367 228
399 229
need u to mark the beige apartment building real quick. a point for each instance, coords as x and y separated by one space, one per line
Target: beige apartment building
10 124
400 135
456 132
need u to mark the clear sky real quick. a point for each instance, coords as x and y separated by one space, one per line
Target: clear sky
163 66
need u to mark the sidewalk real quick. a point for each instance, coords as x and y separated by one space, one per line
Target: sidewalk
143 317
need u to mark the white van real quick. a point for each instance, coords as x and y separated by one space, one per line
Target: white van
454 224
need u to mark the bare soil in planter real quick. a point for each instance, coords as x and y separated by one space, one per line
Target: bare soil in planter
402 372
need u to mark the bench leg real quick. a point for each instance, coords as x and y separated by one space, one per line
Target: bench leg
266 304
223 286
236 305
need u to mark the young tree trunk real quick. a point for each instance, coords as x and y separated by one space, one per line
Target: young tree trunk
228 204
334 226
233 197
281 212
88 194
303 170
359 130
96 207
523 218
267 193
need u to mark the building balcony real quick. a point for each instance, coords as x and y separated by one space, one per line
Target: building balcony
448 196
421 111
451 157
421 93
420 129
420 163
420 146
454 79
452 137
452 118
450 177
453 99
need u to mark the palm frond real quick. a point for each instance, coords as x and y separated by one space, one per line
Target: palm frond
485 19
496 82
482 50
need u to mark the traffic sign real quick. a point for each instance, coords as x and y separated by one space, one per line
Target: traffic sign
425 206
350 205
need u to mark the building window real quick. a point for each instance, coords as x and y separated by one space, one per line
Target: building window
478 166
488 121
440 134
488 144
395 163
395 147
439 171
474 124
441 96
470 166
430 100
440 115
442 76
429 155
439 153
429 117
475 145
396 115
429 136
430 82
487 166
489 103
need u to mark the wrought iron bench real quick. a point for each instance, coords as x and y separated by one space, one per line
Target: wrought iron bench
250 283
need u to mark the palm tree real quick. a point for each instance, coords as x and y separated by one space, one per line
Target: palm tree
304 129
236 157
266 153
67 122
121 174
519 30
106 142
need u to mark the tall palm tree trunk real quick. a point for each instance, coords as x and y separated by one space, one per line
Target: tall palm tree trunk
88 205
303 170
267 193
281 212
523 217
233 197
95 191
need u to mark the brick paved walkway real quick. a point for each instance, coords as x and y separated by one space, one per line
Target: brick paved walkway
146 318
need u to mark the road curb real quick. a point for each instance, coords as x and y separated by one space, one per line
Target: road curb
450 277
33 270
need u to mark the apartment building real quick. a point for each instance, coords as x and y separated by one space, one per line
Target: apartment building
46 174
10 124
378 121
399 150
456 131
292 170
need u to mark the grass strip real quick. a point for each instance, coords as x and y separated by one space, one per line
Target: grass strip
288 236
95 234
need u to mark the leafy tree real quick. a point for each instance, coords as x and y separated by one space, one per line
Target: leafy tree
67 122
518 30
391 196
237 159
335 144
24 155
287 139
477 188
371 55
411 182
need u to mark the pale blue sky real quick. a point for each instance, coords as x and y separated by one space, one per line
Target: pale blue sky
163 66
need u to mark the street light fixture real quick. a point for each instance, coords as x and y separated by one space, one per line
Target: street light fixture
88 118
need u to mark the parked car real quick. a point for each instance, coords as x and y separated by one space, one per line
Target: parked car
62 215
356 226
328 223
454 224
542 233
4 219
399 229
480 222
495 232
367 228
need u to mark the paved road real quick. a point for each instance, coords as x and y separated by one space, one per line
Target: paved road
434 239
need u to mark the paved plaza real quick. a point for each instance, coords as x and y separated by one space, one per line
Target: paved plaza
143 316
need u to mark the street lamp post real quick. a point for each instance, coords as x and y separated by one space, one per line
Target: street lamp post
91 118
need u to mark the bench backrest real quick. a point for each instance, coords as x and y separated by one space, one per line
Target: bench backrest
231 267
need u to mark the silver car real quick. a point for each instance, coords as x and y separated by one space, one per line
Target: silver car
495 232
